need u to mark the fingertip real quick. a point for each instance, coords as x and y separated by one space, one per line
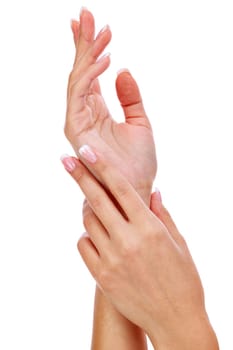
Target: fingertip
74 24
158 195
68 163
156 201
83 9
87 22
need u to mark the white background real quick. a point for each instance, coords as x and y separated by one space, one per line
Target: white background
181 54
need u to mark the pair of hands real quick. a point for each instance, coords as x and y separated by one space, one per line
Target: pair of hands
137 256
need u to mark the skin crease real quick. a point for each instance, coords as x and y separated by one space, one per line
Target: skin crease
168 300
88 120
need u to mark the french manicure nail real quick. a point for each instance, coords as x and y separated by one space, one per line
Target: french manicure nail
158 194
107 54
104 28
68 162
83 8
87 153
122 70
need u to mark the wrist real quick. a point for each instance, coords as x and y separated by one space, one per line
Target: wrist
194 335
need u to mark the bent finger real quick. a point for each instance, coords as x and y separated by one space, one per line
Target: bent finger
81 88
95 229
89 254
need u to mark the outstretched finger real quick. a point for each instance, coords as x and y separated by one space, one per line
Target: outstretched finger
84 37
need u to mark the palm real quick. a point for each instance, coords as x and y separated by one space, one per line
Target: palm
132 145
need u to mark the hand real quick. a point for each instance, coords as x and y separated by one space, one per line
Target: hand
128 146
140 260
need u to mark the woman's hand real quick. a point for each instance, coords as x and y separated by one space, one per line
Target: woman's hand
128 146
139 259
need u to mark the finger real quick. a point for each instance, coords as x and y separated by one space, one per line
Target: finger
89 254
96 87
80 90
130 98
121 190
90 57
92 54
164 216
95 229
96 196
75 25
86 33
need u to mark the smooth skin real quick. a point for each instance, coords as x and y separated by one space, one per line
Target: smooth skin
128 145
140 260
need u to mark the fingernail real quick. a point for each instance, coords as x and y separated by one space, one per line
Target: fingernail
104 28
71 21
107 54
68 162
87 153
84 235
83 8
158 195
122 70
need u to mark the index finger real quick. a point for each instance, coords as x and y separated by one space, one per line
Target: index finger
104 208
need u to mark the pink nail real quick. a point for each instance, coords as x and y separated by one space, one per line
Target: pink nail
158 194
104 28
87 153
68 162
107 54
158 198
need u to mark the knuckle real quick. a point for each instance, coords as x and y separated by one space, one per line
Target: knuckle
122 189
96 202
129 249
85 208
87 220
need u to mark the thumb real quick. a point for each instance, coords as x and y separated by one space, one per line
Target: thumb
130 99
164 216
